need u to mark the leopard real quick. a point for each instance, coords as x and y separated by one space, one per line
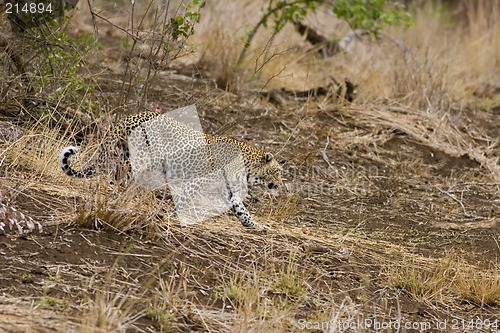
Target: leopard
154 143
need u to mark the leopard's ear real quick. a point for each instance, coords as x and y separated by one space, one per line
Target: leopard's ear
268 157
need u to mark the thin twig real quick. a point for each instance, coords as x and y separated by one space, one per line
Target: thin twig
135 38
466 214
323 153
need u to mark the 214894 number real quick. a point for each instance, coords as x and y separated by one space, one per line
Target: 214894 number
28 8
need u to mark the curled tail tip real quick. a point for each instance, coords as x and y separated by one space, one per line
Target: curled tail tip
63 159
64 156
66 153
71 150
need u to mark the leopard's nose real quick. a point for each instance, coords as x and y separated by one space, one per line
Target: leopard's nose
272 186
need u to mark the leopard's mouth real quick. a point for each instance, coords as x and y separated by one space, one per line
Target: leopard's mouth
272 186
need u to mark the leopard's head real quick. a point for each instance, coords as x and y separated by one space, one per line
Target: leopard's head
266 170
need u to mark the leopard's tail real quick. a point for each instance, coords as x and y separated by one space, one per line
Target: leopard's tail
66 153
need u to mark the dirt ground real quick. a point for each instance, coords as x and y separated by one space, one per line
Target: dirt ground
366 200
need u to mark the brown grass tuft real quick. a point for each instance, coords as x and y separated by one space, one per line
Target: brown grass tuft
449 280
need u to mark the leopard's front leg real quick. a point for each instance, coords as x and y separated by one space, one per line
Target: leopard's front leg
242 213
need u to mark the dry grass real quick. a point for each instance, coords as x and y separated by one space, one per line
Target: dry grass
110 312
449 280
481 287
21 315
441 130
